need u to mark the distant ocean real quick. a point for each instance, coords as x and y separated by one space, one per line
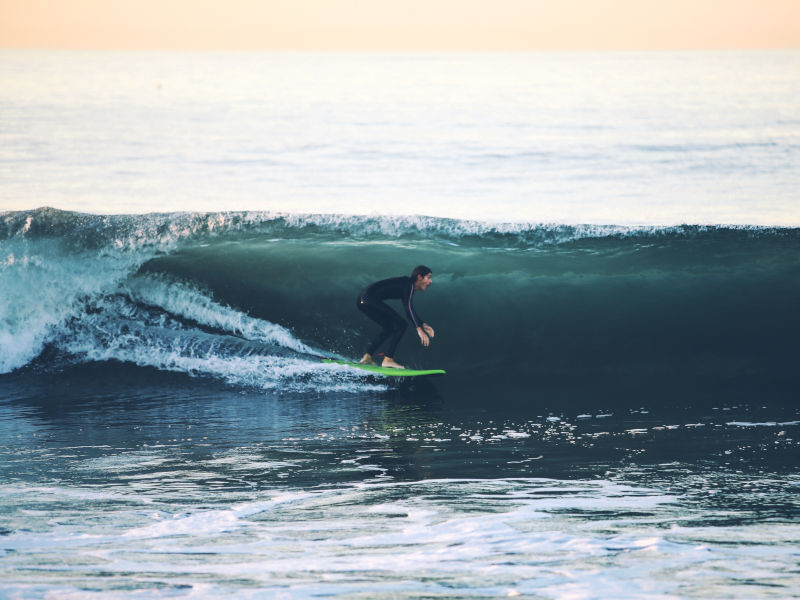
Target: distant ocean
615 242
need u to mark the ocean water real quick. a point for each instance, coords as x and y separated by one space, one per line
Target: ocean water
614 138
615 240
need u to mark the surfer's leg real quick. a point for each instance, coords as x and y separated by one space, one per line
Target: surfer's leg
399 328
383 316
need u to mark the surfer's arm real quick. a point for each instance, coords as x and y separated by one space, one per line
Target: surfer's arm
408 305
424 331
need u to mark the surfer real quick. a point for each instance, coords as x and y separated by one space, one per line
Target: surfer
371 303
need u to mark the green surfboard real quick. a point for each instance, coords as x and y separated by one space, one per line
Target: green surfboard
387 371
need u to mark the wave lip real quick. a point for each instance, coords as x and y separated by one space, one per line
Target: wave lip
164 232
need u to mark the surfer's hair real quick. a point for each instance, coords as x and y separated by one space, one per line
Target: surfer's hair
421 270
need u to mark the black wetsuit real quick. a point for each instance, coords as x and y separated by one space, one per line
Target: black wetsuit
370 302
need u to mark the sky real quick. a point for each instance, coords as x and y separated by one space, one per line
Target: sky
401 25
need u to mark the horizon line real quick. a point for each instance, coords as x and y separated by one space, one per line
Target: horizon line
306 50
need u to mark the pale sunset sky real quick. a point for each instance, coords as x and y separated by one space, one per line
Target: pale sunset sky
400 25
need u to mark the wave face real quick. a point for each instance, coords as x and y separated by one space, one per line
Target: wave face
249 298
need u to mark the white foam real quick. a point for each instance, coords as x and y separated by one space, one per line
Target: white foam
186 356
762 424
120 331
45 280
210 521
488 538
42 291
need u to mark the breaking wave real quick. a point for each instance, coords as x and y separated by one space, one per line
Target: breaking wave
253 298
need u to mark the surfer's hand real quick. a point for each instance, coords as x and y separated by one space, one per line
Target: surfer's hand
426 341
428 329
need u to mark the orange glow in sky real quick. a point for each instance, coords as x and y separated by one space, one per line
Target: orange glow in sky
400 24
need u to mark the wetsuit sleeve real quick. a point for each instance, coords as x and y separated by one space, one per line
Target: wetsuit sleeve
408 304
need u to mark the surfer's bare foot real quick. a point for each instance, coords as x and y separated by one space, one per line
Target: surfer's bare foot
366 360
389 362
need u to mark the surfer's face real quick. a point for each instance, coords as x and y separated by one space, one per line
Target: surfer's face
422 283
